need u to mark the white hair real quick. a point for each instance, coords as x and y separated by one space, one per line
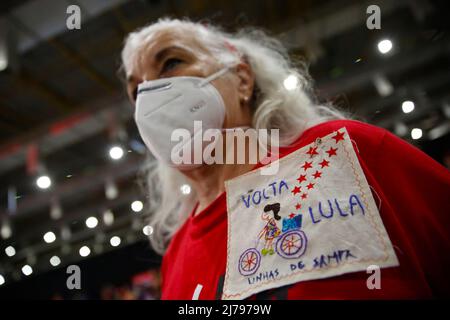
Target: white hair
273 107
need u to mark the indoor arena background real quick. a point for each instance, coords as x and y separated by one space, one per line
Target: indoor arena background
70 153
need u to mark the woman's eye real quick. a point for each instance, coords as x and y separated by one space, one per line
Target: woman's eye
169 64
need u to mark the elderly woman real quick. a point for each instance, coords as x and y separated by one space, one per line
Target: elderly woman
175 68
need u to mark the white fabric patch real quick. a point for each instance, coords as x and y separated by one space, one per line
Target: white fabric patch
316 218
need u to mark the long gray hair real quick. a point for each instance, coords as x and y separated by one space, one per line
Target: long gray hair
274 106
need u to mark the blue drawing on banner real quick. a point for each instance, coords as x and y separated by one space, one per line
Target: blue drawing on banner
256 197
288 243
328 211
337 257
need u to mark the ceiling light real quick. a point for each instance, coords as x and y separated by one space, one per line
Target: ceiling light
116 152
44 182
185 189
383 85
291 82
115 241
147 230
407 106
5 231
49 237
55 261
27 270
55 210
66 234
10 251
111 190
3 64
137 206
85 251
384 46
91 222
108 217
416 133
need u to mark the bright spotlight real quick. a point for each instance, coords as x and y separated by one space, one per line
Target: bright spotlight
3 64
407 106
49 237
291 82
2 280
108 217
10 251
85 251
55 261
137 206
27 270
115 241
416 133
5 231
91 222
384 46
116 152
185 189
147 230
44 182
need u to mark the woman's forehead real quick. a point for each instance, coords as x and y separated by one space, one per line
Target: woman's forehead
163 39
161 43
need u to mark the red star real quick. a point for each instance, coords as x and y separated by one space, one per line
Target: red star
331 152
307 165
291 215
312 151
301 178
317 174
304 196
298 206
339 136
324 163
296 190
310 186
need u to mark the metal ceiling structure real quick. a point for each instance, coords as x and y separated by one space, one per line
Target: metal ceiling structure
62 102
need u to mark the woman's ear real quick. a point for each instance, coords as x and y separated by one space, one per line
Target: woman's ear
246 78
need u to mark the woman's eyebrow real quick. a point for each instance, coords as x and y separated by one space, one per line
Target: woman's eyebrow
164 52
159 56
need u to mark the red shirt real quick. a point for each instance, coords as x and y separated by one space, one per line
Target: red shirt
414 192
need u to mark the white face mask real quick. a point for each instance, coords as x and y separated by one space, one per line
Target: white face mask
167 104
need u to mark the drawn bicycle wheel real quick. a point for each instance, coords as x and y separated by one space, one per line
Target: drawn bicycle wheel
292 244
249 262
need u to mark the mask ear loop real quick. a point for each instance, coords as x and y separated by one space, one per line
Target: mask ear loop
214 76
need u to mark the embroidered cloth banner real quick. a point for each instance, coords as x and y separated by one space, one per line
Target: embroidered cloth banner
316 218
